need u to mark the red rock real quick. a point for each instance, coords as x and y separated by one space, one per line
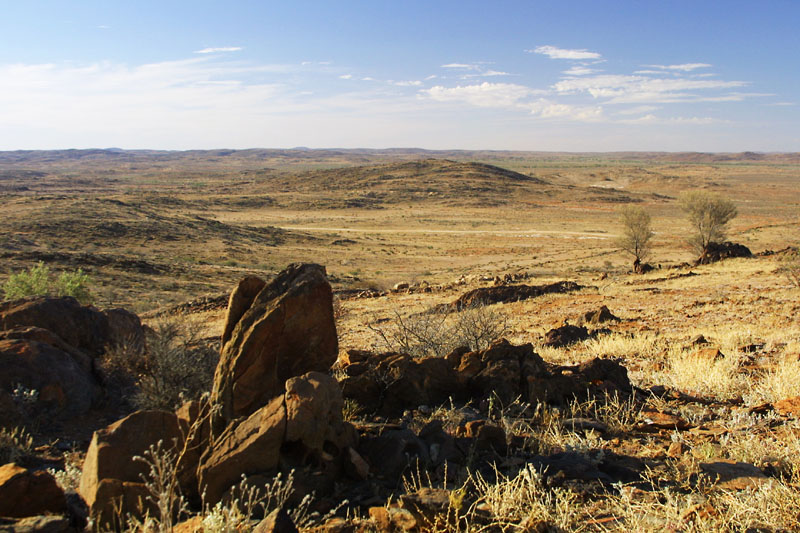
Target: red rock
788 406
109 471
27 493
283 330
732 475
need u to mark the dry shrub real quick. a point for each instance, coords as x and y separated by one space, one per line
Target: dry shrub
436 333
14 443
176 365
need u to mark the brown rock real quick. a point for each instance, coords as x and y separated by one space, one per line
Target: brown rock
114 499
788 406
193 525
314 413
250 447
732 475
125 329
285 330
487 436
66 389
427 504
278 521
355 466
677 449
657 420
27 493
565 335
109 471
599 316
510 293
83 327
32 333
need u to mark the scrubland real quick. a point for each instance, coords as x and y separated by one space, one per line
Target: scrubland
170 238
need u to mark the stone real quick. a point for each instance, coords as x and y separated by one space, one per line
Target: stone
355 466
788 406
25 492
677 449
599 316
314 413
278 521
253 446
426 504
65 388
109 471
393 451
717 251
488 437
80 326
510 293
584 424
273 332
709 354
653 420
125 329
192 525
565 335
733 475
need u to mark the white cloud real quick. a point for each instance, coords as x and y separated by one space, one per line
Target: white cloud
346 77
407 83
465 66
684 67
218 50
620 89
653 119
782 104
483 95
579 71
562 53
367 78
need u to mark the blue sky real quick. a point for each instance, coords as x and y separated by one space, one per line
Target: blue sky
521 75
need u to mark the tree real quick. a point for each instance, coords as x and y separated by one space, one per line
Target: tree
709 215
636 236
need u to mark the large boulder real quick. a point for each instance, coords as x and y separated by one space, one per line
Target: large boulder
274 331
110 474
717 251
83 327
29 493
304 424
250 447
64 387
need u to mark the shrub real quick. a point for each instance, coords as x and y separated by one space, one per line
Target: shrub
36 282
14 443
637 233
178 365
32 282
437 333
789 267
709 215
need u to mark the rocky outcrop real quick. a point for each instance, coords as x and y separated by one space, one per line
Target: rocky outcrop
82 327
60 384
599 316
273 332
304 424
510 293
111 476
26 493
389 384
717 251
565 335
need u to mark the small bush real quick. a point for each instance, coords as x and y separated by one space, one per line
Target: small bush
32 282
438 333
789 267
36 282
14 443
178 365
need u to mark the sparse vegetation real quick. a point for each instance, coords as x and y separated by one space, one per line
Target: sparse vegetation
36 281
14 443
637 232
708 215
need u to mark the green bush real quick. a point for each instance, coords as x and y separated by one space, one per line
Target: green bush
36 282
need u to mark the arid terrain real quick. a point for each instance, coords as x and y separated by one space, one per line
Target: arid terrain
705 437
